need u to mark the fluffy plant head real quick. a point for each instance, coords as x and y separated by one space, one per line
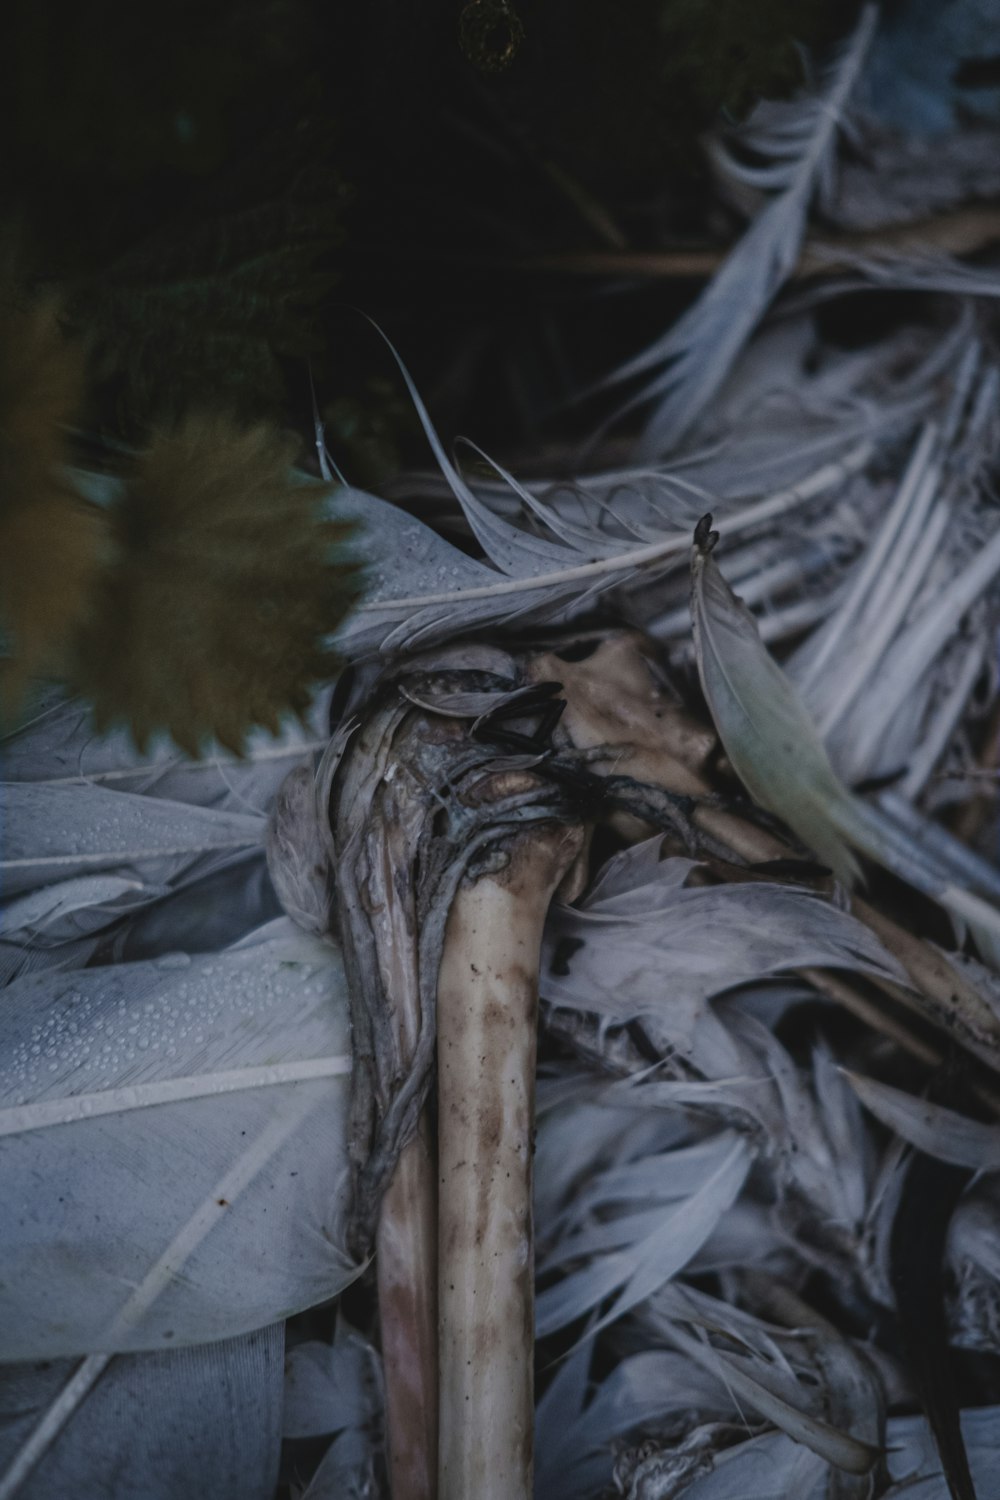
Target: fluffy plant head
226 579
49 538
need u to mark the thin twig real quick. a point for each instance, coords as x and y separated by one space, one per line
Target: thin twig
963 231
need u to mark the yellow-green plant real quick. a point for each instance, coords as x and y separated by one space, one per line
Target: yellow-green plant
50 539
224 581
198 599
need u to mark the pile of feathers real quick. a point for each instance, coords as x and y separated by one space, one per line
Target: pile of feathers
767 1182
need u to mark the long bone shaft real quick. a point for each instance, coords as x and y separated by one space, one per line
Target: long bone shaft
487 1017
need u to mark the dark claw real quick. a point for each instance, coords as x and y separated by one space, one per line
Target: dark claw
704 537
541 702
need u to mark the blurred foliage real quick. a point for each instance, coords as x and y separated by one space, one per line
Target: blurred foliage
224 581
176 170
617 94
49 539
204 193
207 312
210 187
365 430
727 55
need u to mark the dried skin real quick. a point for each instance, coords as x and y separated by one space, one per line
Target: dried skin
413 803
613 699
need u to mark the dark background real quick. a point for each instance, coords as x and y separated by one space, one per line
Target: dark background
217 189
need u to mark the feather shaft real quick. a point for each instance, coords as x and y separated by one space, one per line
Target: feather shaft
14 1120
74 1392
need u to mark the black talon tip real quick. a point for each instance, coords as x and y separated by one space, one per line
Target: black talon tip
704 537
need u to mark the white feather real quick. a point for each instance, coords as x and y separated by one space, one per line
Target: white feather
663 1248
347 1471
773 1467
932 1128
70 909
202 915
331 1386
698 352
656 1388
611 953
770 1467
906 665
768 1395
337 1389
825 654
918 271
770 739
915 1467
576 1441
582 1133
553 562
777 752
868 674
63 832
80 857
59 746
422 589
154 1427
777 1371
172 1148
621 1204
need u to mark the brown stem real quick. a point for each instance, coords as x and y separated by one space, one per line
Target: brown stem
961 231
941 993
838 988
406 1236
406 1251
487 1009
